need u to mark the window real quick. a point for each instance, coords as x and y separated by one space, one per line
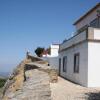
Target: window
59 65
76 62
65 64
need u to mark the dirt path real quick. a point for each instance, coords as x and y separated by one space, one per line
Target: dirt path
65 90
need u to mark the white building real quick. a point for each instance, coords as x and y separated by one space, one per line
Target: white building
53 57
79 56
54 50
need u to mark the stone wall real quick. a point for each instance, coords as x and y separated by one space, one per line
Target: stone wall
30 81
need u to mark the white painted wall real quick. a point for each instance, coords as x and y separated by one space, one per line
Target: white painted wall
53 57
89 69
53 62
97 34
93 64
81 77
54 50
87 19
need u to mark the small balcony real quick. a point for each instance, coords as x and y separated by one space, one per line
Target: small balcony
90 34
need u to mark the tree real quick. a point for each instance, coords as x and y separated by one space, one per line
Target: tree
39 51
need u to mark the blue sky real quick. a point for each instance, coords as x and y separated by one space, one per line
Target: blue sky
26 24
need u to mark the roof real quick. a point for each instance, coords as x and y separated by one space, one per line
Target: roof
91 10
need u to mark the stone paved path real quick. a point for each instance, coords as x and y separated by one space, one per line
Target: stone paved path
65 90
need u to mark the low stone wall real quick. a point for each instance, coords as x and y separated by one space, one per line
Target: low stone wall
42 66
33 58
52 74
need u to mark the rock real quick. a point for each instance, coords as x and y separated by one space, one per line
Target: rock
30 81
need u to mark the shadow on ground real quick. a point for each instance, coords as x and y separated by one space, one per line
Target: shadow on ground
93 96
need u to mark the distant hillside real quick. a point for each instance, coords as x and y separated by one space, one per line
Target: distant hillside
4 74
2 82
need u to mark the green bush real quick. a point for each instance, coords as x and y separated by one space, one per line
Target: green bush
2 82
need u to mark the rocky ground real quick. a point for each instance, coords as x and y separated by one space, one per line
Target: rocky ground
2 82
30 81
36 87
66 90
35 80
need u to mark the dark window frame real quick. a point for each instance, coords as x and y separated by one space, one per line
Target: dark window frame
65 64
76 63
60 60
99 22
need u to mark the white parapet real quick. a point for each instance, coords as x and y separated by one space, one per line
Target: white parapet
73 40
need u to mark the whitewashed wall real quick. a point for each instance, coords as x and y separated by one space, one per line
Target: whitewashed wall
53 61
80 77
87 19
96 33
93 64
54 50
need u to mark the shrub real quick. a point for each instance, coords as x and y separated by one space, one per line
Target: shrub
2 82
